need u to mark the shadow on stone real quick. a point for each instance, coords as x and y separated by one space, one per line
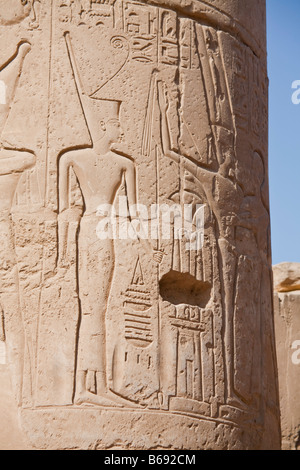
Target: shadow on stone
183 288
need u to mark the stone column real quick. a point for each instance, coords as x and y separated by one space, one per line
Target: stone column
137 224
287 328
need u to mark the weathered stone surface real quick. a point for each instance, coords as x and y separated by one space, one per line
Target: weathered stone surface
287 277
247 20
287 328
11 435
159 340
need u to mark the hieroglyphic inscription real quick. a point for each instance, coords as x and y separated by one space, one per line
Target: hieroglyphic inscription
138 322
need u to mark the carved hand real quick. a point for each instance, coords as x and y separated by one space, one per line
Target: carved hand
162 98
24 48
158 256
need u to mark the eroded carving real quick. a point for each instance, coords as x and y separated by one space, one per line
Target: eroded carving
19 10
223 186
13 162
100 172
144 101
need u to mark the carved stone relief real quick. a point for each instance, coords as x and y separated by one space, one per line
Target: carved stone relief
111 105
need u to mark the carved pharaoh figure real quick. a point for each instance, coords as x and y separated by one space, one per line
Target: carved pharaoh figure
253 277
13 162
100 171
245 211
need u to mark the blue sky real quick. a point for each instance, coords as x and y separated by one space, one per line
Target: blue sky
284 149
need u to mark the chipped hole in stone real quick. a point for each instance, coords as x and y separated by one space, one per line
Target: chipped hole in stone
183 288
297 447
